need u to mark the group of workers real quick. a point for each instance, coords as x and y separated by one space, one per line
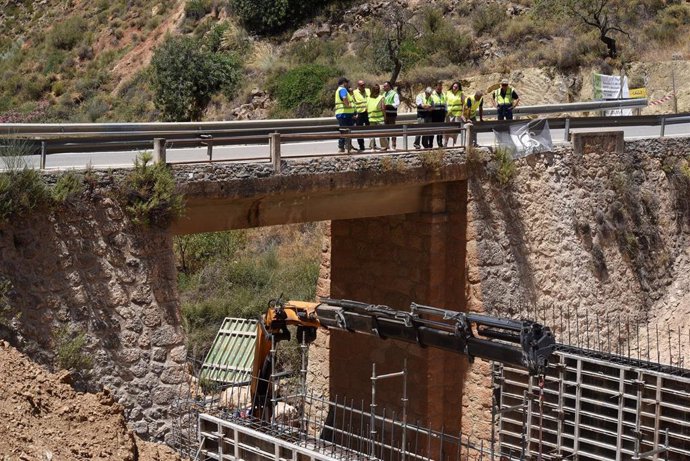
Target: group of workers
378 105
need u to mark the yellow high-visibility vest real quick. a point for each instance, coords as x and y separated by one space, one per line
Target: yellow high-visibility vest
474 105
374 109
454 103
340 107
507 100
361 99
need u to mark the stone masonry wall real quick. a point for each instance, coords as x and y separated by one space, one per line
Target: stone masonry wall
577 240
86 268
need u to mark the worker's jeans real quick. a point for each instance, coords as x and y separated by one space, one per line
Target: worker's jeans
344 120
505 112
361 119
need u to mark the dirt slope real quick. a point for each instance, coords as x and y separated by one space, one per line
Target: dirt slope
43 418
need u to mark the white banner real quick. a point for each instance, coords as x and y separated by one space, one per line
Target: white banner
609 87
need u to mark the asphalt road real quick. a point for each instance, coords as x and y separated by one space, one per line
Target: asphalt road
259 153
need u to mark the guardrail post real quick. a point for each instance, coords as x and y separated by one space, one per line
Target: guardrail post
348 148
566 131
405 138
663 127
159 150
208 140
274 147
44 152
468 137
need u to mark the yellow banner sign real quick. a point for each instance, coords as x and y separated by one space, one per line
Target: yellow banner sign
638 93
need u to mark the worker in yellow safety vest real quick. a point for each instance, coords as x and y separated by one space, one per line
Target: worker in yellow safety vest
454 102
360 96
505 99
474 105
376 109
344 108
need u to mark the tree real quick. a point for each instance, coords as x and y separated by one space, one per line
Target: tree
604 15
394 31
185 74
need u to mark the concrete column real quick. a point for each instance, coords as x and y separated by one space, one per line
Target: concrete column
396 260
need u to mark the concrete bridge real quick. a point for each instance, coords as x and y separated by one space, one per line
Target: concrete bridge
397 236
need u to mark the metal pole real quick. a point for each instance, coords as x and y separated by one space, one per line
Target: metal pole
663 126
44 151
273 380
303 373
673 83
372 421
566 131
404 400
274 147
405 141
159 150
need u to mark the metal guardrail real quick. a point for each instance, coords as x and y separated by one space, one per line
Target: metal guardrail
268 126
45 139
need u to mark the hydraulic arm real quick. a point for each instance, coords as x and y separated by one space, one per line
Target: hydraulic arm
521 343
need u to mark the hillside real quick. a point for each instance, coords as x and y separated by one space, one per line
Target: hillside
44 418
91 61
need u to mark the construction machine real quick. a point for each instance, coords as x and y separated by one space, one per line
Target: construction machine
525 344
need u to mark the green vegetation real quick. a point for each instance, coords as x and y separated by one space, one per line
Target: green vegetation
502 166
70 353
236 273
304 89
22 189
68 187
185 74
149 195
60 63
267 17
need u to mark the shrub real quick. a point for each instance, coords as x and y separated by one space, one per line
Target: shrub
66 34
197 9
486 18
195 251
22 189
149 194
668 23
68 187
70 351
503 169
185 75
304 88
273 16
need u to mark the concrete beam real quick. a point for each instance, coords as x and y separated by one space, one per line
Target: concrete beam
212 215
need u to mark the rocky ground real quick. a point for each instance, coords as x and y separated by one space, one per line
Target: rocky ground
44 418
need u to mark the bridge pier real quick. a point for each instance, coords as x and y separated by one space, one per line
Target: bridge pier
395 260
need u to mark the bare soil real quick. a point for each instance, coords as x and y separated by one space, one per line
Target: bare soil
43 418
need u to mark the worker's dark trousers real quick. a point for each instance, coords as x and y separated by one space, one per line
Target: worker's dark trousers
427 141
438 116
361 119
344 120
505 112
